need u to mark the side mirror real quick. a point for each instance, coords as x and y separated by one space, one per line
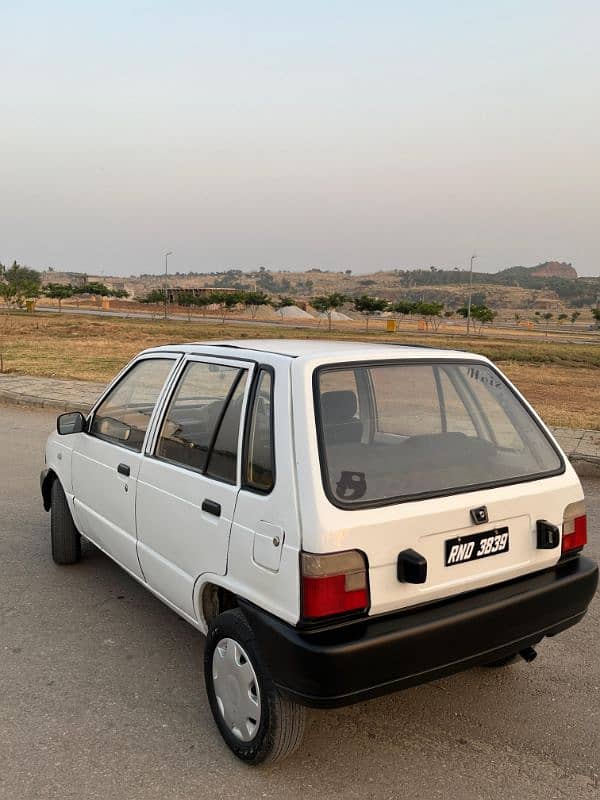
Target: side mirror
73 422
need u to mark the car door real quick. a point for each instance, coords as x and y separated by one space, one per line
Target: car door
189 480
106 459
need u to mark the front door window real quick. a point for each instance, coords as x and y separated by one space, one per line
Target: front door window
124 414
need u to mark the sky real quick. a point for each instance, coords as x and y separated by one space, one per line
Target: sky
333 134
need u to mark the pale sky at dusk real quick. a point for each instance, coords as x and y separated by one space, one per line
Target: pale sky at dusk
328 134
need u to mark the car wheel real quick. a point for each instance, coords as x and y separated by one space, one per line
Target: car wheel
257 721
66 541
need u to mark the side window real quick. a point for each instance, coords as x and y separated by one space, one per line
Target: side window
123 416
195 412
260 466
222 461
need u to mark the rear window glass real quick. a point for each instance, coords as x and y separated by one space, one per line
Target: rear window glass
397 431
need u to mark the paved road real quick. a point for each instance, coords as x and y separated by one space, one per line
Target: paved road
101 694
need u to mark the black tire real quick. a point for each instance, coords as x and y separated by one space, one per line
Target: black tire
282 721
503 662
65 538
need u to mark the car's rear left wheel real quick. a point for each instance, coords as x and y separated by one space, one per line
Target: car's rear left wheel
255 719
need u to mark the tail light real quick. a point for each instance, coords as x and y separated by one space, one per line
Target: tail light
574 527
333 583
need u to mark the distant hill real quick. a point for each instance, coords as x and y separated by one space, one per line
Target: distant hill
555 269
515 287
548 269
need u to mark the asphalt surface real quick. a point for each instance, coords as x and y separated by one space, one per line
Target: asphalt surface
102 696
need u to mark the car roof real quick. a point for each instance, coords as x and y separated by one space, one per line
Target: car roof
311 349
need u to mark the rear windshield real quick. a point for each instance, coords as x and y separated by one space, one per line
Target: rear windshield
394 432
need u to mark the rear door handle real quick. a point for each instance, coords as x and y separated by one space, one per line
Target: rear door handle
211 507
124 469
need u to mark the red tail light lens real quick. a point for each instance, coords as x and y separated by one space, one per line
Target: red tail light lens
333 583
574 527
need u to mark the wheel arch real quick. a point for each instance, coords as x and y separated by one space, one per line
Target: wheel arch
212 600
47 479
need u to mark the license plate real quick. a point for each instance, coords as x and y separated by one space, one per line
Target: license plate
476 546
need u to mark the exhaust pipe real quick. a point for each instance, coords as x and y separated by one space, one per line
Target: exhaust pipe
529 654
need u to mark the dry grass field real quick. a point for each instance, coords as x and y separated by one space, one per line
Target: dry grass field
562 380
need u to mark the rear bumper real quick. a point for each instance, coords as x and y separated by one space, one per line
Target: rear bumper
349 662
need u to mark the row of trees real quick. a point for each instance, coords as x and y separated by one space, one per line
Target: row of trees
225 301
431 313
18 284
62 291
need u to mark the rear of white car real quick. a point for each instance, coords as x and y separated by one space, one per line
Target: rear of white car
441 528
343 520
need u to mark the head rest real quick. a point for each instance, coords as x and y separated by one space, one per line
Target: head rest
338 407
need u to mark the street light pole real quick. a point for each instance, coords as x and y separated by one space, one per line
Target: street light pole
167 254
473 257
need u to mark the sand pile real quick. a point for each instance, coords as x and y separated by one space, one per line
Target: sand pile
293 312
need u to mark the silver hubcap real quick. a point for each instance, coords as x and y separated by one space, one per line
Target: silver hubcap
236 689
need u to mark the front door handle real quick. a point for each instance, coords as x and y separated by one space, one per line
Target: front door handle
124 469
211 507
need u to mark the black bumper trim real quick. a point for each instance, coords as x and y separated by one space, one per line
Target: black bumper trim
346 663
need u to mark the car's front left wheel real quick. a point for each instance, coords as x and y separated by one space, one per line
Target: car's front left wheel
66 541
255 719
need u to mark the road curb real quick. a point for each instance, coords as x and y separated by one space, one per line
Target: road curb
585 466
18 399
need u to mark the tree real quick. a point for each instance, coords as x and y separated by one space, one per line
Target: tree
596 315
58 291
480 316
254 300
226 301
18 283
547 316
327 304
120 293
367 306
201 301
96 288
187 300
562 318
153 296
575 316
404 307
431 313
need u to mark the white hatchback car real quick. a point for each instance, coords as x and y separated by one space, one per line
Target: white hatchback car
341 519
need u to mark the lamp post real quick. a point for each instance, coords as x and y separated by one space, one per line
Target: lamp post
473 257
167 254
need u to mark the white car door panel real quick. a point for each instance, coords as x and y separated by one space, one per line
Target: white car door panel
105 498
106 460
189 480
177 539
